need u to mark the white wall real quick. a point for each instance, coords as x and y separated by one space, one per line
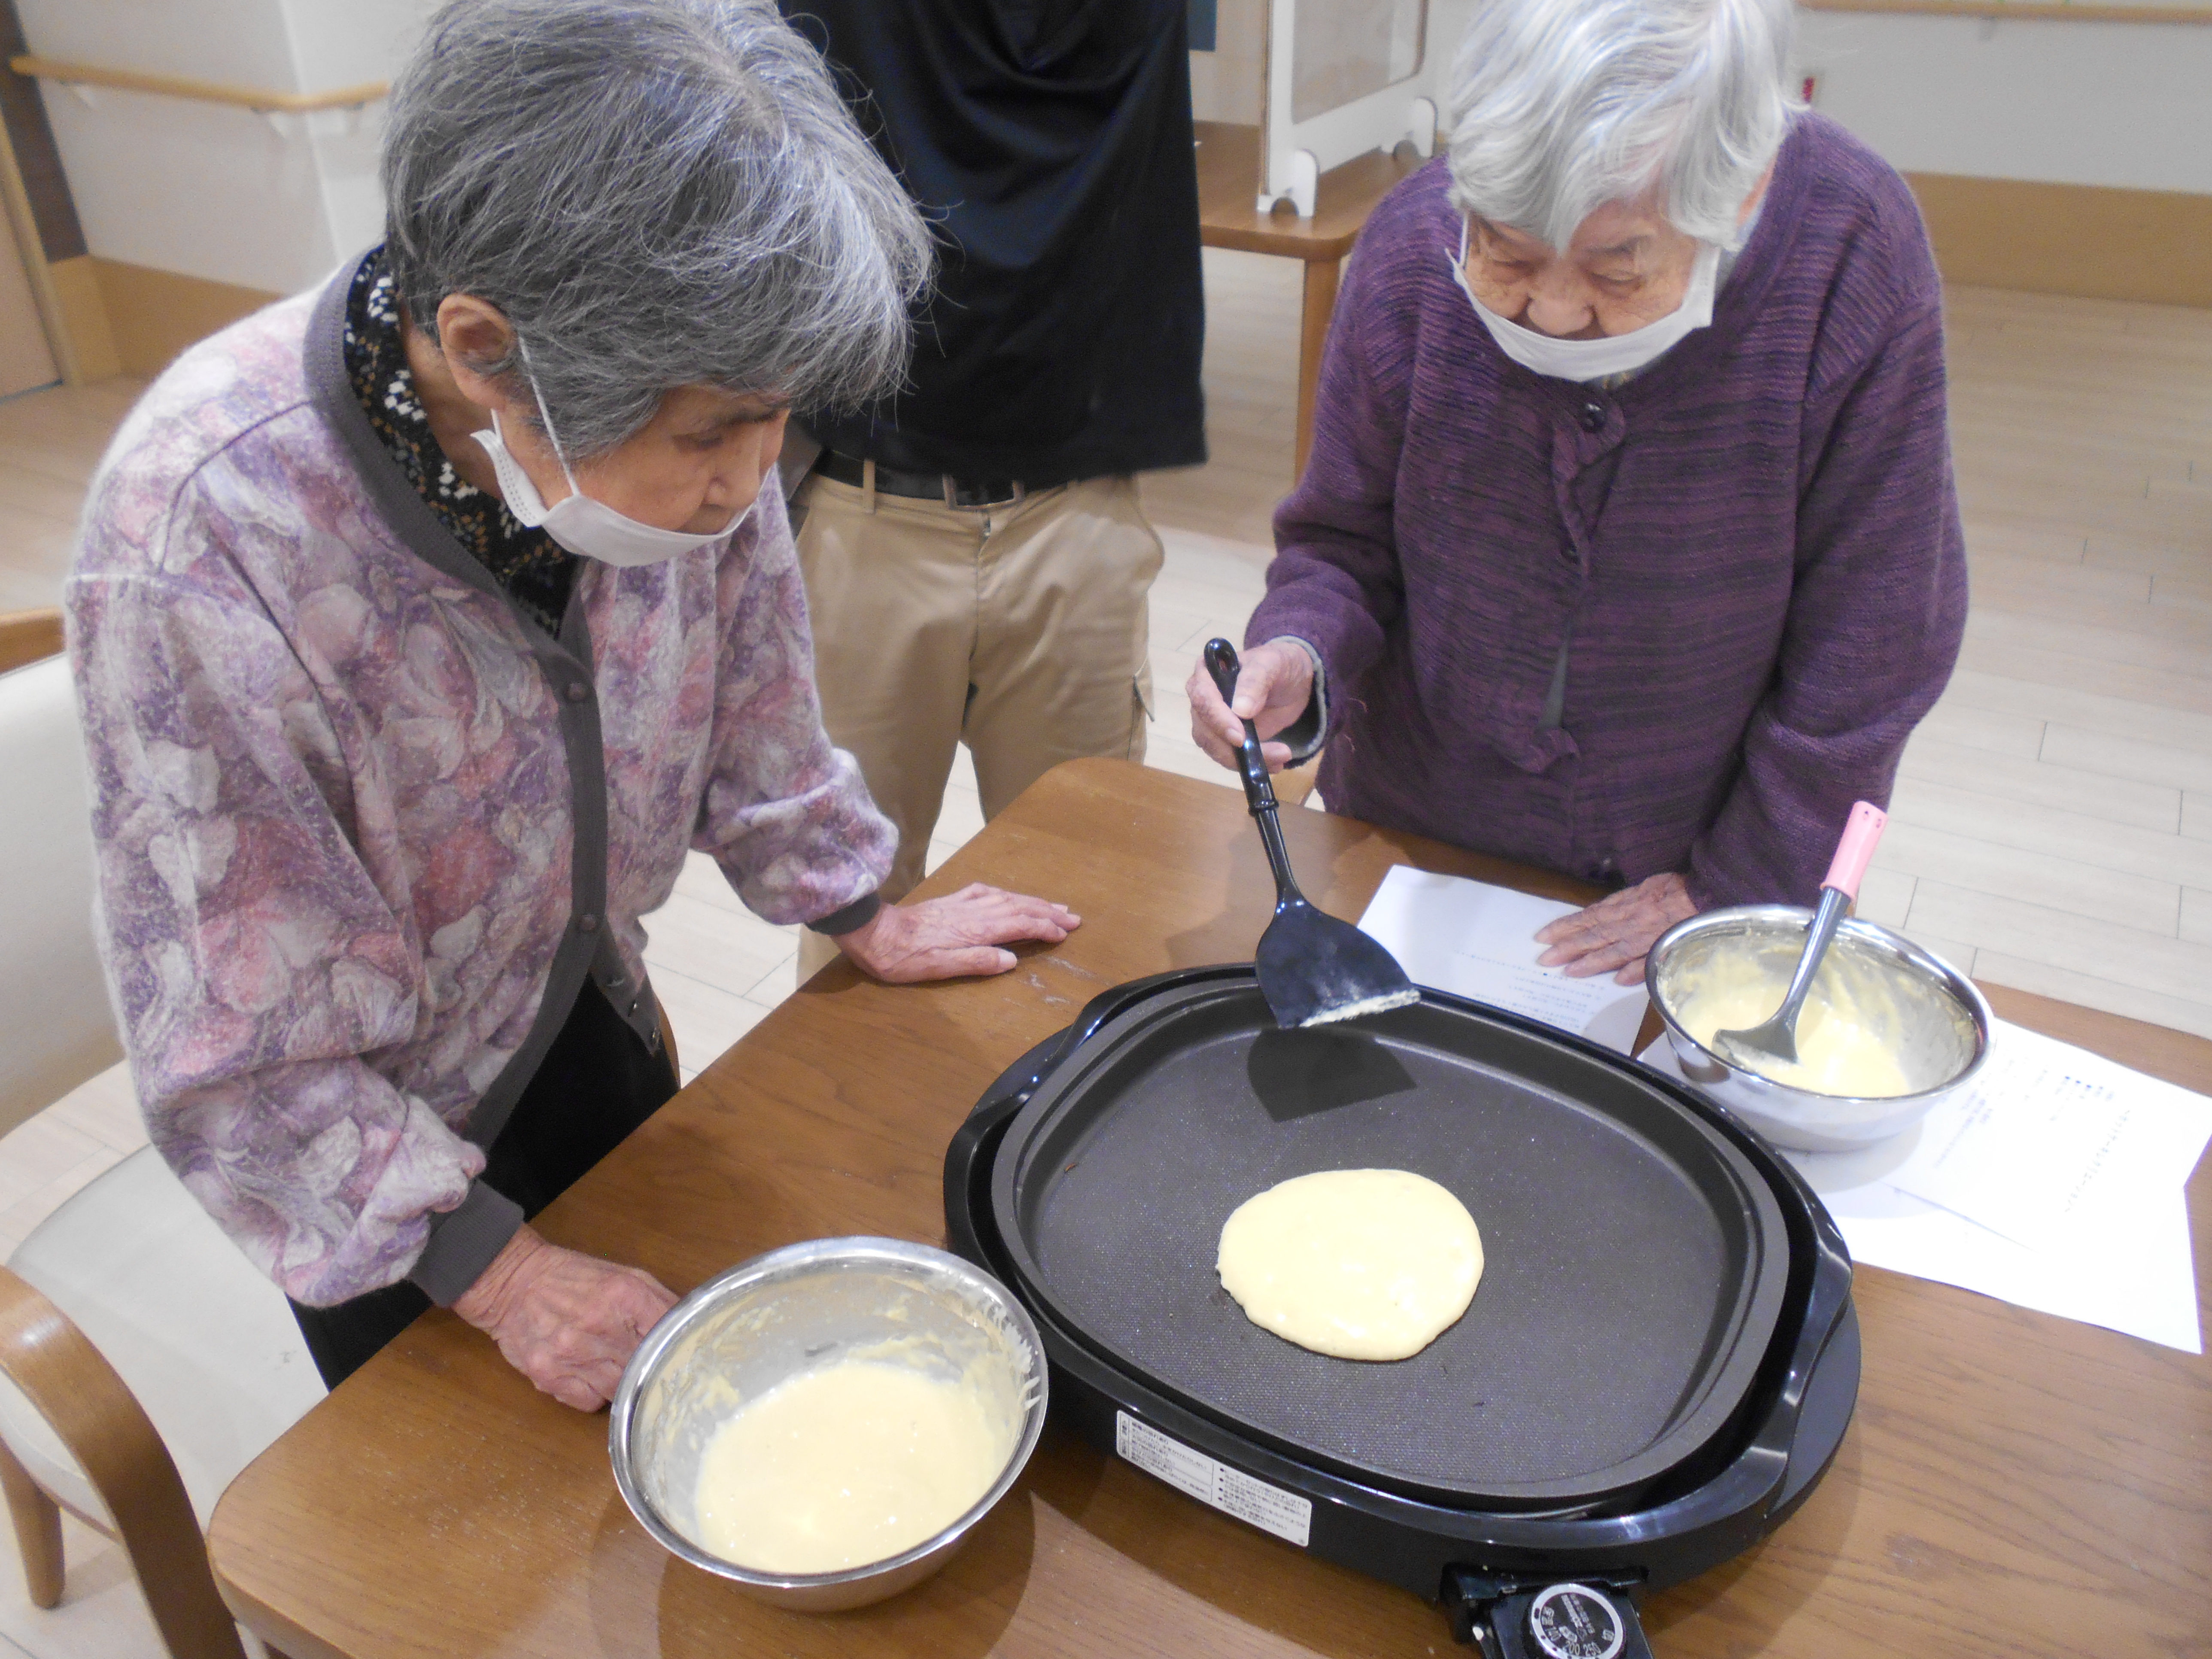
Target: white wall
209 191
2125 104
337 43
219 193
1226 83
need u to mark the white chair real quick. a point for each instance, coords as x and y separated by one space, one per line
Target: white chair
143 1361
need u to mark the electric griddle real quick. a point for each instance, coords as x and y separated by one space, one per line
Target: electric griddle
1658 1365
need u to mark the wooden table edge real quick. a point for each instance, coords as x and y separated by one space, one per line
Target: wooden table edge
2176 1056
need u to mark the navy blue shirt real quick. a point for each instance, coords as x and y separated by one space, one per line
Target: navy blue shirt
1050 143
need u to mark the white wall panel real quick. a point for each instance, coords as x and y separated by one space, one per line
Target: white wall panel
209 191
1226 83
353 198
2124 104
340 43
240 42
196 188
2121 104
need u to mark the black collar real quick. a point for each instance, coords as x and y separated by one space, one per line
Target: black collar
330 389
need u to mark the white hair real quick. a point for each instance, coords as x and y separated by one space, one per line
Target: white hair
1560 106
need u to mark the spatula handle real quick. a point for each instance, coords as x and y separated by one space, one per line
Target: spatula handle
1861 834
1259 791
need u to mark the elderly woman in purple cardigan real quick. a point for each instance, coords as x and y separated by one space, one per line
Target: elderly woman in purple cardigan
1628 545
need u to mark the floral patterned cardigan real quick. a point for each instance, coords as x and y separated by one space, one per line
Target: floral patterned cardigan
364 830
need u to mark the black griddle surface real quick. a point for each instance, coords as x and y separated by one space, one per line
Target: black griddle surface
1635 1260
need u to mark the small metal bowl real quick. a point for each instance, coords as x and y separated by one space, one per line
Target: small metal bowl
796 1310
1939 1023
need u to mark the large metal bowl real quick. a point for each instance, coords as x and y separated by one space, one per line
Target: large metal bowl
1937 1023
797 1310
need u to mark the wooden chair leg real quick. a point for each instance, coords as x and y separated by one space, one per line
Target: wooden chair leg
99 1420
1318 306
37 1521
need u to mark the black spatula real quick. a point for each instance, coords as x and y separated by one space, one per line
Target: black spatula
1313 968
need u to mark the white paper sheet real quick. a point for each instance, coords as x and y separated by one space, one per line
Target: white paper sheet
1477 940
2132 1272
2055 1141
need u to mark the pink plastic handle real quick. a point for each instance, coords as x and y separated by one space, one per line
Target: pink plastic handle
1861 834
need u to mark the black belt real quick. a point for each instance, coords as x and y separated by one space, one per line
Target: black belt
928 486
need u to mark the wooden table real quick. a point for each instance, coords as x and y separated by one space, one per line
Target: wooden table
2012 1483
1229 217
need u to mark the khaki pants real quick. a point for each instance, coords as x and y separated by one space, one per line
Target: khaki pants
1020 630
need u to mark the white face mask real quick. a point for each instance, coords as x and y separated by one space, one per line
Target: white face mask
1613 353
577 522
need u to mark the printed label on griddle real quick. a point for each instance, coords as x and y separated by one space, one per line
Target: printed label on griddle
1232 1492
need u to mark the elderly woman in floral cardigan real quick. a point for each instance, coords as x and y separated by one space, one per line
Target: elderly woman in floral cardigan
422 622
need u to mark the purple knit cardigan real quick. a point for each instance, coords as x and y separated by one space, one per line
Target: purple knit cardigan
1751 550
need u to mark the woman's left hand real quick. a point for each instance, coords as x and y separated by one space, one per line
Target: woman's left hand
960 935
1617 932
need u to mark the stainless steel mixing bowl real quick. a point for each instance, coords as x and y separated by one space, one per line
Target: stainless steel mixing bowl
797 1310
1931 1017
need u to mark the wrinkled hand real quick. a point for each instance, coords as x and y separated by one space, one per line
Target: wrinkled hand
1273 686
959 934
1618 931
569 1322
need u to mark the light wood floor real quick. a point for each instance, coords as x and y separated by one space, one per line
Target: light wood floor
2052 829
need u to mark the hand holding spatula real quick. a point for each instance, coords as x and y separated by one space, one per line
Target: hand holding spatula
1313 968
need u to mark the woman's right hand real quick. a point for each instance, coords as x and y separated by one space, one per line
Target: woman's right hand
961 934
567 1322
1272 689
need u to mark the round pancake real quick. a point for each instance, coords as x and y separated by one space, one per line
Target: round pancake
1361 1264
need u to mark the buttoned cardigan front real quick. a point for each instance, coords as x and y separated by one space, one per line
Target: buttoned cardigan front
363 829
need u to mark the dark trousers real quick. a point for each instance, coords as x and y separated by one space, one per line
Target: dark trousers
597 1083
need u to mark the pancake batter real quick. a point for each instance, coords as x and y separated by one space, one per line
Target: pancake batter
847 1466
1846 1044
1362 1264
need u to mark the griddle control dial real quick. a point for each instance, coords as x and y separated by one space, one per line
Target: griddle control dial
1576 1622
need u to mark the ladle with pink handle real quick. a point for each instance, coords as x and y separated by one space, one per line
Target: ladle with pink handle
1777 1038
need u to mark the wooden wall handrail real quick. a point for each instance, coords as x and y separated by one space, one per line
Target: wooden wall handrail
26 636
204 92
2025 11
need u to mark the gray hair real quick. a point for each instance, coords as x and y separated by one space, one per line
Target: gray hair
1560 106
655 193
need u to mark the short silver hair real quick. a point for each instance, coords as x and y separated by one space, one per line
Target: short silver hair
1560 106
655 193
